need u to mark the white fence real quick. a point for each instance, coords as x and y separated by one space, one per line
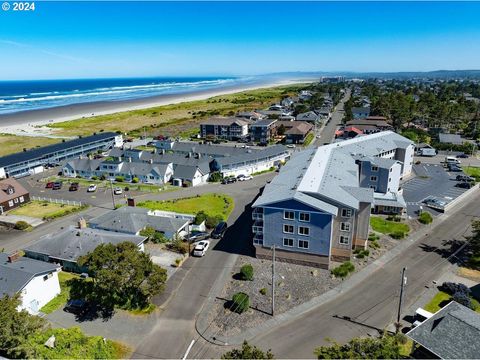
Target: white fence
57 201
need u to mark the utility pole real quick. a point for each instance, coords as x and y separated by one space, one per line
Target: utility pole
273 280
113 196
402 286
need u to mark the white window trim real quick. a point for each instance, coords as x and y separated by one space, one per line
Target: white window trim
293 242
340 239
345 223
289 211
305 241
304 213
348 213
286 232
304 227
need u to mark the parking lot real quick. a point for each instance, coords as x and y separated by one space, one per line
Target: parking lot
432 180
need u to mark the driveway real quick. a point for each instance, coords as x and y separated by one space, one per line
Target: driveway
432 180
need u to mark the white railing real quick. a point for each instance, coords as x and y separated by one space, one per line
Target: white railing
57 201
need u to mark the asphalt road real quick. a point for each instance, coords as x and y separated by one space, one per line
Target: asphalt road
372 303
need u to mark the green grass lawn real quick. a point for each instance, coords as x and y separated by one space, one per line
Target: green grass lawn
212 204
473 171
440 297
45 210
383 226
62 298
11 143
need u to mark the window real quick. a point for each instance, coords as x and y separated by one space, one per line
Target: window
374 168
303 244
10 203
373 187
22 199
288 229
344 240
373 178
345 226
389 179
288 215
15 200
346 212
303 230
288 242
305 217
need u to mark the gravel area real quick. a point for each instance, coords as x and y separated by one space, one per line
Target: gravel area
163 257
295 284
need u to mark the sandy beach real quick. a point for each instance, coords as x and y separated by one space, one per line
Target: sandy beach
32 123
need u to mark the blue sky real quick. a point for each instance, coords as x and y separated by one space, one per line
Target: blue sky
111 39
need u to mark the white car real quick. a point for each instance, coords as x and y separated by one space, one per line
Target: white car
92 188
244 177
201 248
117 191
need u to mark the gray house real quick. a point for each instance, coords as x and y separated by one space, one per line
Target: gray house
132 220
66 246
309 116
318 208
360 112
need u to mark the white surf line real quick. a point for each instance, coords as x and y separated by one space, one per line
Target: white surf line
188 349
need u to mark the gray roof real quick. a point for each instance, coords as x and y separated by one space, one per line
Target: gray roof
72 242
308 116
186 172
453 332
360 110
253 155
84 164
131 220
14 276
450 139
264 122
329 173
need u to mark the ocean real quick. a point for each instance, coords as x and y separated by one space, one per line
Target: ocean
18 96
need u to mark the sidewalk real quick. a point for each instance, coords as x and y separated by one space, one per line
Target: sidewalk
12 220
203 326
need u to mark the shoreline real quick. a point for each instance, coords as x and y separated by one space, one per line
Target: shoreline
33 122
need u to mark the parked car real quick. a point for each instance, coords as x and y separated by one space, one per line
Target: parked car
462 156
464 185
464 178
201 248
454 168
219 230
73 187
49 185
243 177
117 191
57 185
434 202
197 236
229 180
76 306
92 188
291 146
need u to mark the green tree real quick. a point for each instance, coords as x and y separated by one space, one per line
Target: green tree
16 328
248 352
385 347
281 130
123 275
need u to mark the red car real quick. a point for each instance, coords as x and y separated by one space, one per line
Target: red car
49 185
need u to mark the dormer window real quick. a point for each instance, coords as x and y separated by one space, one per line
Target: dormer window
10 190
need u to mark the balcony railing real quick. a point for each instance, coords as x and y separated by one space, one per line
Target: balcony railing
257 216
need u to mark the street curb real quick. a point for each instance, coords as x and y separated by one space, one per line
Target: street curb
202 326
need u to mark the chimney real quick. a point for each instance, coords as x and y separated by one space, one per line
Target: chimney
13 257
131 202
82 223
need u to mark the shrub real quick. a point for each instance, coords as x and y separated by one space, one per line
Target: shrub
463 299
362 253
240 302
425 217
452 288
397 235
246 272
373 237
374 244
263 291
135 180
94 177
215 177
343 270
179 246
21 225
200 217
212 221
119 179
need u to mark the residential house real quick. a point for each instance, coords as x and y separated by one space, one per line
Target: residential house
451 333
287 102
324 112
66 246
371 124
309 116
348 132
305 95
12 194
35 281
295 132
132 220
250 115
317 209
360 112
263 130
230 128
453 139
33 161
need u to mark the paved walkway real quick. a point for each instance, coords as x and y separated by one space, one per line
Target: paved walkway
203 326
13 219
